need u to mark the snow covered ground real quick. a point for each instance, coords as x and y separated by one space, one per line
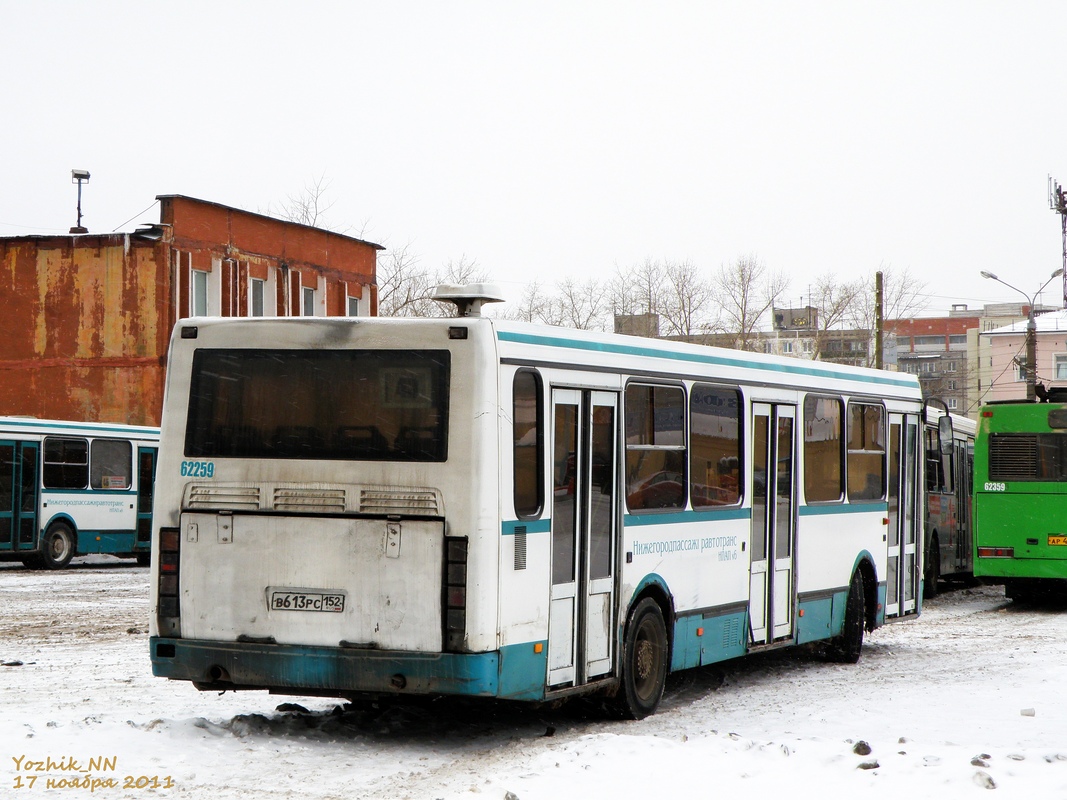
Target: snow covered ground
966 699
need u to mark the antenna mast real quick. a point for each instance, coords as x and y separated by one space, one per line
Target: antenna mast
1057 201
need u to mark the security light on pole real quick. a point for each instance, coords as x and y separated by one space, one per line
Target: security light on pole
1031 331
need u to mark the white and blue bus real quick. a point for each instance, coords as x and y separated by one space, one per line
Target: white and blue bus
470 506
74 488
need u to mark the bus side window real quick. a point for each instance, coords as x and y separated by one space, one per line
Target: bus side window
823 455
528 444
655 447
714 446
66 463
866 452
110 464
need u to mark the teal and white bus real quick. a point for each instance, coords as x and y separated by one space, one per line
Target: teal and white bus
74 488
467 506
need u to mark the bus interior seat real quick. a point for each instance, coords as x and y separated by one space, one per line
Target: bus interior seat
416 442
297 438
360 441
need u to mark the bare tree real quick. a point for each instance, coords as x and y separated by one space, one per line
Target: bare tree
684 300
580 304
403 283
903 296
746 291
835 303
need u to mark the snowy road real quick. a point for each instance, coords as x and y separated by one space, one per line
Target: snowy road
939 701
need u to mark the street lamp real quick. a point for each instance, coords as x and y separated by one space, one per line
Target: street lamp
1031 331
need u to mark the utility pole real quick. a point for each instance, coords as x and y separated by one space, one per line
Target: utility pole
879 321
1057 201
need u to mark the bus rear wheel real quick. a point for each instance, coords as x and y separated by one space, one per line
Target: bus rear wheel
845 648
57 548
644 666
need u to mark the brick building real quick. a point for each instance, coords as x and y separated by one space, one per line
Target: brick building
85 319
935 349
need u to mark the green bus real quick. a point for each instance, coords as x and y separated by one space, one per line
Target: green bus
1020 497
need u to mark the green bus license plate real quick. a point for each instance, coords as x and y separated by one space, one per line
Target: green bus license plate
1057 539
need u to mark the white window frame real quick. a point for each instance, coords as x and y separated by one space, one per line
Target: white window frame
199 289
307 301
257 291
1059 361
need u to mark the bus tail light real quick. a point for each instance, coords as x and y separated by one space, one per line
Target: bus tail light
996 552
455 593
169 609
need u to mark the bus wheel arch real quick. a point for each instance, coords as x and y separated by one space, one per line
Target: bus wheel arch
58 545
859 615
645 656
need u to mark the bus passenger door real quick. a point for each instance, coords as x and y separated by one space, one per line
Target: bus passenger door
146 476
584 524
18 495
902 567
773 523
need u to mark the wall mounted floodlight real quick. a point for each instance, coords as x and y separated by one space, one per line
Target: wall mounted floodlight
79 176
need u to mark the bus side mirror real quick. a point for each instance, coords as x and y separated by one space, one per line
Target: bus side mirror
944 434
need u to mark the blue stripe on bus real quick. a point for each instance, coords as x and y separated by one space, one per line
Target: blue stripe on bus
695 358
87 427
842 508
511 527
514 672
673 518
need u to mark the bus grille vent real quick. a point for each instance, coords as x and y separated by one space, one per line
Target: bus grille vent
730 631
217 496
520 549
320 501
422 502
1012 457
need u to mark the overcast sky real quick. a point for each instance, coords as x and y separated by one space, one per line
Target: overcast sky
555 139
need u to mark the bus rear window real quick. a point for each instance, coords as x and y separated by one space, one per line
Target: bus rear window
369 405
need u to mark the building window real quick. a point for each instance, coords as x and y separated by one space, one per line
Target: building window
787 347
950 366
952 385
309 302
353 306
1061 367
927 341
958 339
255 299
951 403
198 300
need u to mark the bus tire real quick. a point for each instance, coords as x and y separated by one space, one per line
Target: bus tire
644 666
932 569
845 648
57 547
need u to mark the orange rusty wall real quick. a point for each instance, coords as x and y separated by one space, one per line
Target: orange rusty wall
197 224
85 324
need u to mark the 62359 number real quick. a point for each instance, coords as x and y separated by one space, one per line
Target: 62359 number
198 469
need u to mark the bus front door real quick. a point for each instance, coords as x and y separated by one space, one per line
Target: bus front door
584 525
771 597
902 564
18 496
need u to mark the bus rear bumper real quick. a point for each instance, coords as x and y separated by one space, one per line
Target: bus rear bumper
516 672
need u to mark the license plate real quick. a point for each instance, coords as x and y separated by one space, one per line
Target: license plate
287 600
1058 539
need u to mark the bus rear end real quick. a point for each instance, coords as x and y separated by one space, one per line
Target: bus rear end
304 542
1019 494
